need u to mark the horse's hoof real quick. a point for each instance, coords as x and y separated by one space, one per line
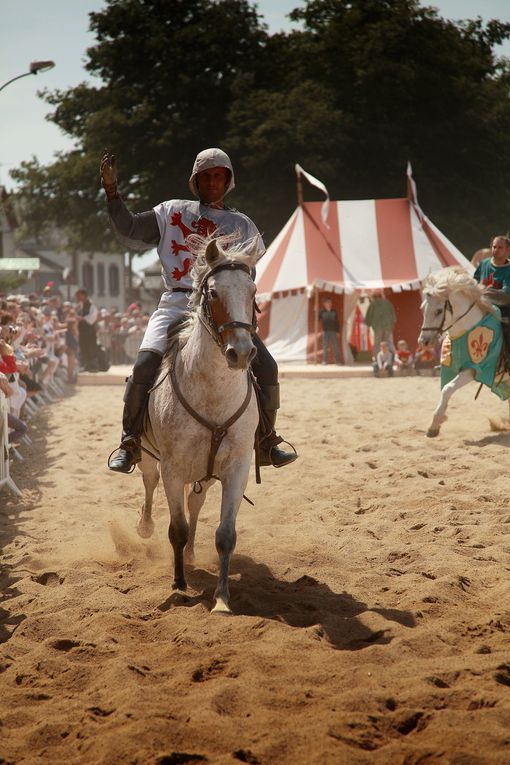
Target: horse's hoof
179 584
145 529
432 433
221 607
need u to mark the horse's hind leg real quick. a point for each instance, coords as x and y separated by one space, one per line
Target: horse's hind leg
178 529
150 474
463 378
195 503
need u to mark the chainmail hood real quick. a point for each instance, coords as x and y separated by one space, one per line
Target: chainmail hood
205 160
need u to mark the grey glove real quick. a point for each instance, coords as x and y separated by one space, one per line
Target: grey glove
498 297
108 172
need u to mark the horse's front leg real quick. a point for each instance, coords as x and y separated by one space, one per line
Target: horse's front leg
463 378
150 475
195 503
233 487
178 529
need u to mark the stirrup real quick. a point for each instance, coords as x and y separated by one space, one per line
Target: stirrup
289 457
134 456
266 448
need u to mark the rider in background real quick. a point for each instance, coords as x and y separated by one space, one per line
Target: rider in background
494 273
167 227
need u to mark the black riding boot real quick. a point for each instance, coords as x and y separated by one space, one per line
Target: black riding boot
270 454
135 404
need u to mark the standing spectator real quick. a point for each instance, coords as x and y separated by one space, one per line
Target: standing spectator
50 340
87 317
330 328
16 426
72 348
381 318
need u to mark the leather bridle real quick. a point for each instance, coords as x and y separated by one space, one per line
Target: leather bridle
447 307
216 327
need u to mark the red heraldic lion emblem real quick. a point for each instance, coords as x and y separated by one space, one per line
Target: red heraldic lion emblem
201 226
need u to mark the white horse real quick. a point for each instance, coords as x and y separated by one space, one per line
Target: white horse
453 302
203 411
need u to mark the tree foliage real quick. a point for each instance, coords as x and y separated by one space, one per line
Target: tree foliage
361 88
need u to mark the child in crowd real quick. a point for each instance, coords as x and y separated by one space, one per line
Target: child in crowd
383 361
404 358
425 357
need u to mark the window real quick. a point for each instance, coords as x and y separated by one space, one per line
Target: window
113 280
87 277
100 279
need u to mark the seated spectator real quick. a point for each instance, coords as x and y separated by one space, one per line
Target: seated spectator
403 358
425 357
383 362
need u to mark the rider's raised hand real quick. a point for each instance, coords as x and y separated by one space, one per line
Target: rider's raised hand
108 172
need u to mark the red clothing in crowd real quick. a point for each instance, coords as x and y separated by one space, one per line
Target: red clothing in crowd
8 361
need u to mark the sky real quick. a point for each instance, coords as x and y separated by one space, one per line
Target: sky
32 30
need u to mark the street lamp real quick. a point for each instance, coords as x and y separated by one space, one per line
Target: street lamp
35 67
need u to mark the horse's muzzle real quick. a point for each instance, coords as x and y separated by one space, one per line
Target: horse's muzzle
240 355
427 337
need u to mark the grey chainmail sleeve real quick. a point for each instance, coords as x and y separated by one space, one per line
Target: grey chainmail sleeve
135 231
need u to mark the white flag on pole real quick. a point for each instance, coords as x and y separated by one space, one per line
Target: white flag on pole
412 192
319 185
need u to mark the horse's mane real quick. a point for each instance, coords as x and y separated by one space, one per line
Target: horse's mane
442 284
230 250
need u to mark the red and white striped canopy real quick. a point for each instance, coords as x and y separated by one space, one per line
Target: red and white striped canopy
367 244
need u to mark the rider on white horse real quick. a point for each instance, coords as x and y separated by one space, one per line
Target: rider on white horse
494 273
167 227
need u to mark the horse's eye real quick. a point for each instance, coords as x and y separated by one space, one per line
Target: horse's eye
438 312
213 294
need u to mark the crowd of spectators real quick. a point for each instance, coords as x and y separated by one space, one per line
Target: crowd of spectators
41 349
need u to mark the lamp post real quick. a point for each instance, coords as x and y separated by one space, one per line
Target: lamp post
35 67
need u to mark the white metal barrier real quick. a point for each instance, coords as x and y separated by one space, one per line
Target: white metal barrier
5 477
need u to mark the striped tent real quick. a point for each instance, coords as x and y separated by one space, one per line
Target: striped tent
364 245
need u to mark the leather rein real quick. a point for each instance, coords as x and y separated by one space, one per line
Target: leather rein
206 316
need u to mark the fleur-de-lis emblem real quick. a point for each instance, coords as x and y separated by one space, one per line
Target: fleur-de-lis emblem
479 347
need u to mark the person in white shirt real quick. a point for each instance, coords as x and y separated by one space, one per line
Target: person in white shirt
167 227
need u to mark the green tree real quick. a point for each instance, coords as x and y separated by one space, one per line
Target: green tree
363 87
419 88
166 70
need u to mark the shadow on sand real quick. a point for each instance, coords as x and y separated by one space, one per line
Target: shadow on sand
304 603
29 475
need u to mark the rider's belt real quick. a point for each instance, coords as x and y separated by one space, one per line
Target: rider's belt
182 289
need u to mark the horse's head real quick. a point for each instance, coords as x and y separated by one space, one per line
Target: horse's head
449 297
434 309
226 292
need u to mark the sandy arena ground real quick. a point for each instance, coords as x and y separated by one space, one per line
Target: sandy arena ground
370 587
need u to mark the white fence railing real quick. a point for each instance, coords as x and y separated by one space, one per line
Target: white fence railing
5 477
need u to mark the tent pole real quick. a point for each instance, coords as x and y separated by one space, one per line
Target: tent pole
316 323
299 189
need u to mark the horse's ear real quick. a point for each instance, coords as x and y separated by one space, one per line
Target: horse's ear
212 253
